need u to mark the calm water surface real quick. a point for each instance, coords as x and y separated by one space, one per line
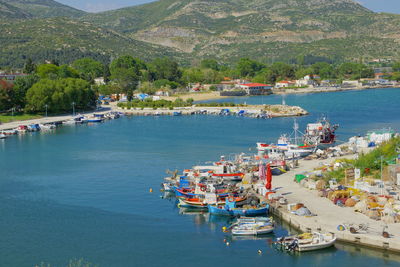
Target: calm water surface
83 192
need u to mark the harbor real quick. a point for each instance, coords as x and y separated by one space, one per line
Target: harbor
244 178
100 185
253 111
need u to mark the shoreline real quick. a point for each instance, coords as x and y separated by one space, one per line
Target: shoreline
205 96
326 90
274 111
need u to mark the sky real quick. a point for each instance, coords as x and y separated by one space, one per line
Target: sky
391 6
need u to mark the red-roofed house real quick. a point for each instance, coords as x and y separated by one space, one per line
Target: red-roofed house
283 84
256 88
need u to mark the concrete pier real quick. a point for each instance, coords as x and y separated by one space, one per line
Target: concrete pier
329 216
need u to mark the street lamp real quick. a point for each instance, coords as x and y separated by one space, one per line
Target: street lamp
73 108
46 106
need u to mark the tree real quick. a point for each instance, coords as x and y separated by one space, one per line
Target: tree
355 71
396 67
6 96
280 71
88 68
64 71
59 94
210 64
29 66
47 71
395 76
125 71
21 86
248 68
166 68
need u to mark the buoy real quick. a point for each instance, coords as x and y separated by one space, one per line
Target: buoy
224 229
151 190
227 243
224 240
259 251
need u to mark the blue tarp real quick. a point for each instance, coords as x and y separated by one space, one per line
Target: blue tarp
143 96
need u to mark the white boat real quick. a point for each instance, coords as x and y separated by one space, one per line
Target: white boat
255 228
3 136
284 149
307 242
253 220
10 132
69 122
46 127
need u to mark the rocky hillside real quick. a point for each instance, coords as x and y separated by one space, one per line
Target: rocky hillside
259 28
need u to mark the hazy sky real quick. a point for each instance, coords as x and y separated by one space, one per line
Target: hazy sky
392 6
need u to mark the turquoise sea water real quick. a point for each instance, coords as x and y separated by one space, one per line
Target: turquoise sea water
83 192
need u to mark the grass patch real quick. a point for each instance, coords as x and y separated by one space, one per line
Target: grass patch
4 118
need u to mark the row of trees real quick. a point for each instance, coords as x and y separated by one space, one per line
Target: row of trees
58 86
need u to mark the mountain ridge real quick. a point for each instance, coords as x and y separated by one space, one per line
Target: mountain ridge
43 8
188 30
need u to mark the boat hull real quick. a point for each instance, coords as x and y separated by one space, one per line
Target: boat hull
223 211
312 247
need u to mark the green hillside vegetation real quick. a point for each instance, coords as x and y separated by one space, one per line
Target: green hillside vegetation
8 11
191 30
40 9
65 40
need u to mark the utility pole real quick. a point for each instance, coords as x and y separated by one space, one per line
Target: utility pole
73 108
46 106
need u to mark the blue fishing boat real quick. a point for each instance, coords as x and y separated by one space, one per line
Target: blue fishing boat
177 113
230 209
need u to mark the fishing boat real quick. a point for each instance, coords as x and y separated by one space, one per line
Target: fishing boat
257 228
47 127
22 129
306 242
231 209
10 132
94 119
203 201
3 136
320 134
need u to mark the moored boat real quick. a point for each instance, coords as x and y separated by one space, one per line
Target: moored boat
306 242
257 228
230 209
3 136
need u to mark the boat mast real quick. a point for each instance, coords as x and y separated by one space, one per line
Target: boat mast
295 128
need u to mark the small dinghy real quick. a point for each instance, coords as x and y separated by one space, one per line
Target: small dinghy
306 242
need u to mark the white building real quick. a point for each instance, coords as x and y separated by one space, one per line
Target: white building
285 84
307 81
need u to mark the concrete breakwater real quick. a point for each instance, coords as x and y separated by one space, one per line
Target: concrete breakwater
270 111
264 111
